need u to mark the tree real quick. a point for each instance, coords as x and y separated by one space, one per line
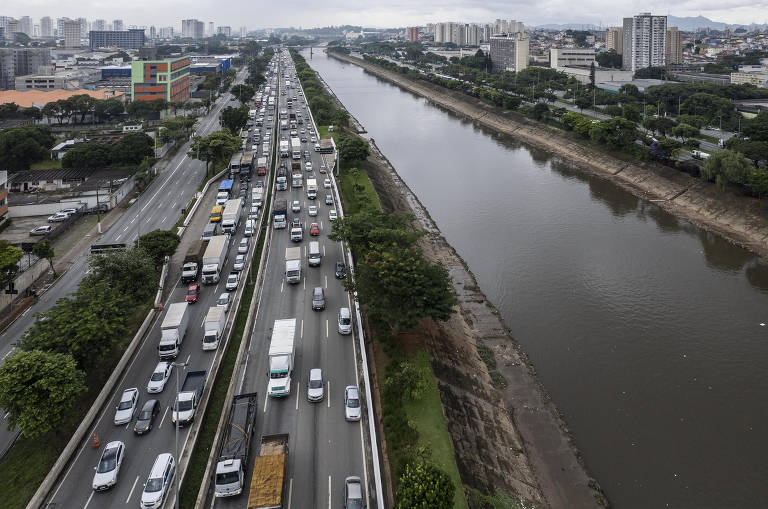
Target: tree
108 109
142 109
243 92
727 167
583 101
158 244
423 485
9 259
44 251
592 75
609 59
130 273
631 113
88 155
616 133
234 119
132 148
540 111
37 388
756 151
216 147
352 148
667 148
684 131
22 146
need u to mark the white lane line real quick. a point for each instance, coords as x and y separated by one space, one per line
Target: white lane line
118 236
202 322
282 285
125 229
298 389
89 500
326 328
304 279
25 312
190 356
290 492
329 492
163 419
321 224
329 394
302 329
6 415
164 218
132 488
134 219
323 250
326 281
174 205
266 398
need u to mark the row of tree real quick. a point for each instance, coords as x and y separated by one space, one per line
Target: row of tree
128 151
71 348
323 108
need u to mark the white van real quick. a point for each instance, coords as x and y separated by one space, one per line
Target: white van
313 255
159 482
250 228
345 321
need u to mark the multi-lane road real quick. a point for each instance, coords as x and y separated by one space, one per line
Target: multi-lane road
324 447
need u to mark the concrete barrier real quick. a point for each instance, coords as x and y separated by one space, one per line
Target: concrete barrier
201 194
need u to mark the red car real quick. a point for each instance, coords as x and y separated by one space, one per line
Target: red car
314 230
193 292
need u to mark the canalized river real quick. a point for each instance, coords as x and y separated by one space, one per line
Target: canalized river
646 330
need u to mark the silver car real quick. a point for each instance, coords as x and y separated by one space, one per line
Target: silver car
159 377
109 466
239 262
345 321
129 402
224 301
352 407
315 386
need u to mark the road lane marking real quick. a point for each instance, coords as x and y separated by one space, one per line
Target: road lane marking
302 329
190 356
282 285
266 398
118 236
298 389
163 419
290 492
304 279
321 224
202 322
326 328
326 281
132 488
323 250
164 218
329 394
134 218
89 500
329 492
25 312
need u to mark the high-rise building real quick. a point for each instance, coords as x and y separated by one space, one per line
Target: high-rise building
509 52
614 39
99 25
7 71
225 31
117 25
46 27
211 31
124 39
152 33
507 26
166 33
160 79
21 62
72 31
13 28
471 35
192 29
645 38
4 23
243 32
674 51
412 34
25 25
83 27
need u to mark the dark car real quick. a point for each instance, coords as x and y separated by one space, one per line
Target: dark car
318 299
147 416
341 270
243 185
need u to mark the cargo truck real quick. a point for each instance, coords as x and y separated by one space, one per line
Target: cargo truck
193 261
293 264
281 358
233 458
231 216
282 180
246 162
172 330
188 398
296 148
213 327
297 179
268 479
213 259
226 187
280 214
311 189
284 148
261 166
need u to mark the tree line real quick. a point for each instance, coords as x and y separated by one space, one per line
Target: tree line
128 151
323 108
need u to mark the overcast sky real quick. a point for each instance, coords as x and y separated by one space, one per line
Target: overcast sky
378 13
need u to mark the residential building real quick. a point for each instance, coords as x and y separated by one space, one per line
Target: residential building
25 25
20 61
46 27
614 39
644 41
192 28
225 31
117 25
13 28
674 49
571 57
83 27
99 25
758 79
210 32
509 52
152 33
4 23
243 32
160 79
471 35
72 34
412 34
166 33
507 26
125 39
7 72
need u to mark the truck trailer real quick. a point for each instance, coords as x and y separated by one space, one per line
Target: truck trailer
281 358
172 330
193 261
214 257
213 327
293 264
268 479
280 214
230 218
233 457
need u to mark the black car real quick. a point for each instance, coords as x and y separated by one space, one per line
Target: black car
341 270
146 417
243 185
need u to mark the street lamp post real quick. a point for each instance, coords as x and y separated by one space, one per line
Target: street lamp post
176 434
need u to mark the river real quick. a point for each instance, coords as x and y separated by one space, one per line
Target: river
649 333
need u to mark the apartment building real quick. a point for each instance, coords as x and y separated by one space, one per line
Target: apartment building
614 39
644 42
509 52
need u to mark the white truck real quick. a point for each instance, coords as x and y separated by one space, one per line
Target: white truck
231 216
213 259
189 397
233 458
284 148
281 358
213 327
296 147
293 264
172 330
311 188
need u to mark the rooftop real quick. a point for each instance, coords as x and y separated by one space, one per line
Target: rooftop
29 98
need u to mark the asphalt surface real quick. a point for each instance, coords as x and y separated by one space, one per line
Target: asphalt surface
158 207
324 447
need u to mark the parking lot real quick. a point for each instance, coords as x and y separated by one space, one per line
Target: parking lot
18 231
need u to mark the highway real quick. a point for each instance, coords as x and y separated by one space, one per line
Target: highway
152 210
324 447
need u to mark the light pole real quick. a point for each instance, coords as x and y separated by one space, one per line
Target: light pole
176 435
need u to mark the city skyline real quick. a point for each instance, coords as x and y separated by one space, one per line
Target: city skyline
379 14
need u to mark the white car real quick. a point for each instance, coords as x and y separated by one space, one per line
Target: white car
239 262
159 377
315 386
296 206
242 247
159 481
109 466
232 281
352 410
312 210
124 410
224 301
332 215
327 183
308 166
312 139
58 217
41 230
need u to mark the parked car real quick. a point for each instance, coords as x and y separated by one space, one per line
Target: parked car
193 292
159 377
224 301
318 299
147 416
352 408
41 230
232 281
127 407
239 262
341 270
109 466
159 481
58 217
101 208
353 493
315 386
